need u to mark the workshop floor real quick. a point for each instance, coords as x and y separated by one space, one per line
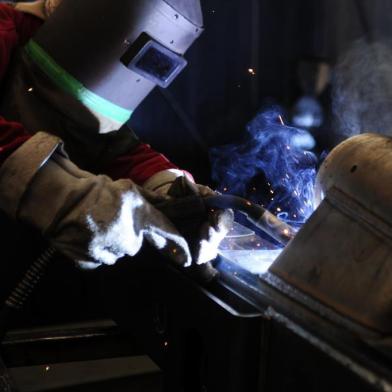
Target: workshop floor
138 374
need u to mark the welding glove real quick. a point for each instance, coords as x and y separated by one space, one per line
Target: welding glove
90 219
203 228
162 181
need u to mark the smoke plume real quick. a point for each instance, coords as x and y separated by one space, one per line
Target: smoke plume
362 90
271 166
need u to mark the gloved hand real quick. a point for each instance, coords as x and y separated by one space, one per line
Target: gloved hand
203 228
91 219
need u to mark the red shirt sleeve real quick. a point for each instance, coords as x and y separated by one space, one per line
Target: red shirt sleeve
139 164
15 29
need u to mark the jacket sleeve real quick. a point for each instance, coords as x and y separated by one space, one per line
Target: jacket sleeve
15 29
139 164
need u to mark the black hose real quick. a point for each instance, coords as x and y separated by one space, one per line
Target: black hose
15 302
31 278
18 297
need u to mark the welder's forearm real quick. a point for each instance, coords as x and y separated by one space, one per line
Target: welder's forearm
139 164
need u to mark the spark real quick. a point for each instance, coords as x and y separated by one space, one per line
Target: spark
248 203
225 189
252 71
281 119
166 344
288 147
47 368
271 191
286 232
258 244
279 209
30 89
174 250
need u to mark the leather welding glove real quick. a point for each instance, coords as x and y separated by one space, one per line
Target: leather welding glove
161 182
215 225
203 229
90 219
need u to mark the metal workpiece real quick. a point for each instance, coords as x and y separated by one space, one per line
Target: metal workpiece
342 255
319 336
204 338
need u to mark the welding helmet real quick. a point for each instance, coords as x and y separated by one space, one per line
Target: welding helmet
110 54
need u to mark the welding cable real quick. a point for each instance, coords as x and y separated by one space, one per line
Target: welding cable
257 215
19 296
31 278
15 302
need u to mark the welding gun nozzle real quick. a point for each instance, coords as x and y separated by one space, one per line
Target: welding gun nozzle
257 215
273 226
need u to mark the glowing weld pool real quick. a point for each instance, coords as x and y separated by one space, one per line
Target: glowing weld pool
243 247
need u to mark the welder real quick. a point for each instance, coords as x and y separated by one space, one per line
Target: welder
72 73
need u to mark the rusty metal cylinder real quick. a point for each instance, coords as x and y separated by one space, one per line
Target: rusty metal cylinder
342 256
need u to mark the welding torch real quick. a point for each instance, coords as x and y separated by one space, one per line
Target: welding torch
257 215
186 202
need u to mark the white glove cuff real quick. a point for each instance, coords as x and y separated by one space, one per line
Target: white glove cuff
16 175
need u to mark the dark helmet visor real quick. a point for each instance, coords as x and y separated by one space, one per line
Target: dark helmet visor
156 63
